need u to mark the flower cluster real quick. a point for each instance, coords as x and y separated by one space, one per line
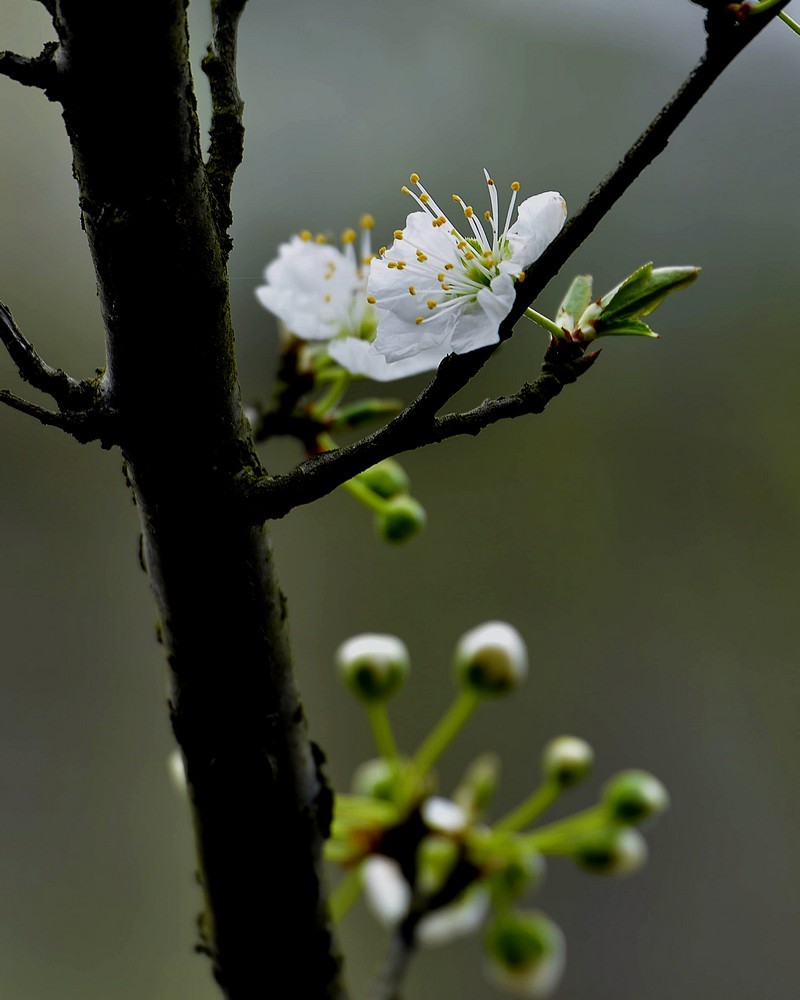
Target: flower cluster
434 864
435 291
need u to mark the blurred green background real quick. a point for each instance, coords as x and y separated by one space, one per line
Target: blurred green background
643 534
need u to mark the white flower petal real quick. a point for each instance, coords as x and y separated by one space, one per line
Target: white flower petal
395 339
361 358
460 918
386 892
539 220
443 815
479 323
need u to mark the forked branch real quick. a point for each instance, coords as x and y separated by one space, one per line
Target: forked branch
37 71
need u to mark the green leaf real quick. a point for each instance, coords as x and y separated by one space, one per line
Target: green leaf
578 297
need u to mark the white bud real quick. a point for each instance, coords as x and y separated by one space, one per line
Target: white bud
443 815
491 659
386 892
373 666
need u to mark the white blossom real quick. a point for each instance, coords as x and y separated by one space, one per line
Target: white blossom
443 292
319 291
443 815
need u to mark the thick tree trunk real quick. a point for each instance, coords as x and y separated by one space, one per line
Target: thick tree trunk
259 804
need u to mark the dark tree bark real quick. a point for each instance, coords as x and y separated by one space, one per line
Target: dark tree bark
260 806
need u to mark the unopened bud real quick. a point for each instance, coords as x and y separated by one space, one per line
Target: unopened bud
373 667
387 478
634 796
386 892
401 519
378 778
566 760
525 952
611 850
491 659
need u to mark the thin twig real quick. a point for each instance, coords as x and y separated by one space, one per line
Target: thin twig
83 413
90 425
37 71
386 985
416 425
227 129
64 389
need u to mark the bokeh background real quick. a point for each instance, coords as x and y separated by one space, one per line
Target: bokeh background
643 534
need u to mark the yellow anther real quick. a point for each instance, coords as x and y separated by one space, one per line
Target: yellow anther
371 299
490 182
319 238
449 267
414 178
400 265
487 215
368 260
456 199
421 257
521 276
431 303
405 190
382 251
469 255
392 263
515 185
367 221
419 320
445 287
469 211
398 234
305 235
412 289
461 244
441 220
328 298
424 198
349 236
440 277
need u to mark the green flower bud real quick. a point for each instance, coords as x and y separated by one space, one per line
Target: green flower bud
566 760
373 667
387 478
634 796
401 519
611 850
518 873
617 312
477 787
491 659
379 778
525 952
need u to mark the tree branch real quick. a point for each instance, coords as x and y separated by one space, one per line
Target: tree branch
64 389
39 71
416 426
227 130
84 414
274 497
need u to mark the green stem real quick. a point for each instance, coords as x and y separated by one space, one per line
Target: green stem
444 731
529 810
345 894
550 838
788 20
337 389
763 7
358 489
543 321
381 729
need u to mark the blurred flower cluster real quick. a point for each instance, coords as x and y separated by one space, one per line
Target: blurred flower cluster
434 867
